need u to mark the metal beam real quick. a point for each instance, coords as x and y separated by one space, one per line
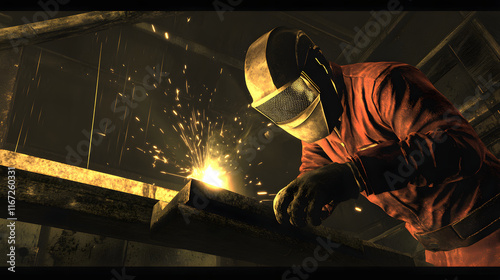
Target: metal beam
216 221
59 195
46 200
379 39
446 39
32 33
492 42
376 42
8 74
229 225
79 175
333 25
189 45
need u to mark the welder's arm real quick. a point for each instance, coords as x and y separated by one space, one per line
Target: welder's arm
313 157
320 186
436 144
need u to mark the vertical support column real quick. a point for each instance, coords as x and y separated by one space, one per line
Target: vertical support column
9 66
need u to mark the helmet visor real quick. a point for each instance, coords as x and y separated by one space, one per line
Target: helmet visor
290 102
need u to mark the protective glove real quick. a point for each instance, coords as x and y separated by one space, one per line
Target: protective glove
310 198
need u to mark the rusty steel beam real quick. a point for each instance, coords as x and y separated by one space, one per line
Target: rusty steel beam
81 175
64 196
49 201
216 221
200 217
37 32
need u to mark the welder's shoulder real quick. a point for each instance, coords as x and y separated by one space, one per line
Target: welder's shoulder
375 70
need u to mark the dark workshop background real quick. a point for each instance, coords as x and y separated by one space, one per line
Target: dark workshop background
203 54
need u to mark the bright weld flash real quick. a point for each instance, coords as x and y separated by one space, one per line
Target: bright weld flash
211 174
358 209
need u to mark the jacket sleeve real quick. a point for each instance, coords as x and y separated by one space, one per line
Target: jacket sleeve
312 158
436 144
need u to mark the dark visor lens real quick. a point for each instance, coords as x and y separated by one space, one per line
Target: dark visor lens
289 103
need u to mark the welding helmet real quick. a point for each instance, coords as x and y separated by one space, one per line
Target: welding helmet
291 83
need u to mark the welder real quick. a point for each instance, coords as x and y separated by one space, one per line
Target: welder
382 130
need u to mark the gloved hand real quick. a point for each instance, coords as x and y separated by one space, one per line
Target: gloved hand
301 202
